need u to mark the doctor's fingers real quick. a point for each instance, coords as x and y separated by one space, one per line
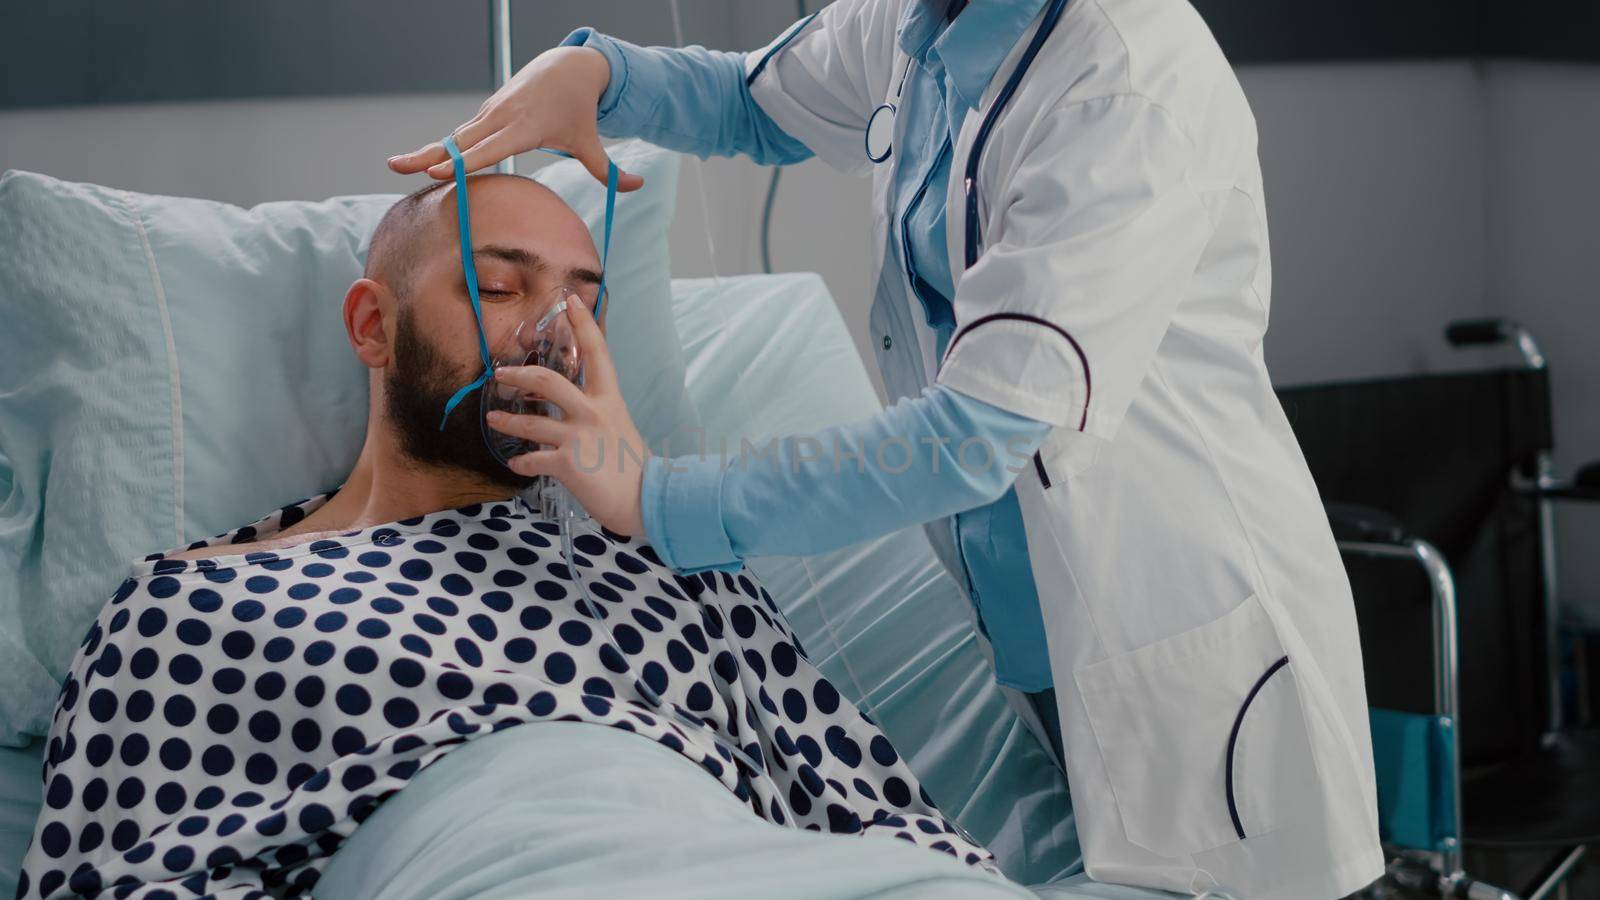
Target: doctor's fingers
417 160
481 154
536 428
600 374
540 462
549 384
591 153
467 135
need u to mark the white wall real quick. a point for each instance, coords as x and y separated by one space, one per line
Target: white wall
1374 204
240 151
1543 200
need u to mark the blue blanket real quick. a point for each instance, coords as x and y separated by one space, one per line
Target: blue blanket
571 809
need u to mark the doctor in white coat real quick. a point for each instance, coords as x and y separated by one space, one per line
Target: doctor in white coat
1073 282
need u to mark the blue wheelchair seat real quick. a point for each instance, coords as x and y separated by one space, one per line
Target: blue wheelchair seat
1416 793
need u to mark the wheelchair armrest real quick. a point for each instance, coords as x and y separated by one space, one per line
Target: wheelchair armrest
1364 524
1486 332
1584 486
1465 332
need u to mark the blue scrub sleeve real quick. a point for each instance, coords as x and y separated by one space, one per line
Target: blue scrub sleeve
922 459
688 99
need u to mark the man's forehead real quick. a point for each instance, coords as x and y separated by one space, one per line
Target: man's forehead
523 258
515 211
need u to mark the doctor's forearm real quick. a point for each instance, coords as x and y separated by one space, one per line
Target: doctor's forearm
688 99
921 459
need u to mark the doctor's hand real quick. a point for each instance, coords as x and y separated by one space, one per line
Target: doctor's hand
594 451
550 103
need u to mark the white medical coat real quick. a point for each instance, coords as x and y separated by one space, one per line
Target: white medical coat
1201 630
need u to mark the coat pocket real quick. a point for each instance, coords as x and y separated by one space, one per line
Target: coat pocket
1203 735
1064 455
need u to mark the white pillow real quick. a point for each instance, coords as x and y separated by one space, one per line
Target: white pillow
171 368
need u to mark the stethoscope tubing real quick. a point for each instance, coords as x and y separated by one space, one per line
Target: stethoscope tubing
1047 25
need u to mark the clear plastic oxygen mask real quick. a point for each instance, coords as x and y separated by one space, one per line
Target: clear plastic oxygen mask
544 338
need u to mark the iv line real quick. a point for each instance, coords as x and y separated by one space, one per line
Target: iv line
699 169
772 191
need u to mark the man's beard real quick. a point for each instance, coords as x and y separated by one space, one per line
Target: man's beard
416 389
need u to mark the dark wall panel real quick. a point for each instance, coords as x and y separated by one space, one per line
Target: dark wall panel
70 52
1542 29
67 52
1288 31
1277 31
184 49
41 53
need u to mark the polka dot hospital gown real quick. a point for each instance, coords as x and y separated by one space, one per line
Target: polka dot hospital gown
229 721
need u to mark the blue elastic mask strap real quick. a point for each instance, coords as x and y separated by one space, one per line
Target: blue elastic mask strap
605 241
471 272
605 245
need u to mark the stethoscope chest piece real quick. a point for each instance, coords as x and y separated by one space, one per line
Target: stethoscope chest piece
880 133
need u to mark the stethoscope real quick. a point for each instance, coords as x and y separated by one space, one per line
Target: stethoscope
879 140
879 136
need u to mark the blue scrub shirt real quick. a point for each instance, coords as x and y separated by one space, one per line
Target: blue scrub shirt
954 62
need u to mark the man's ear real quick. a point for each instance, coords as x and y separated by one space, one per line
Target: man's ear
369 313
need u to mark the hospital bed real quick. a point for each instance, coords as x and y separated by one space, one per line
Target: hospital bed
761 355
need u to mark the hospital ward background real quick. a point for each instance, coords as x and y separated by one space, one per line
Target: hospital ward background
189 188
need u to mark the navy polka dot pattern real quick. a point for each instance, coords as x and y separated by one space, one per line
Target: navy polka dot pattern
230 720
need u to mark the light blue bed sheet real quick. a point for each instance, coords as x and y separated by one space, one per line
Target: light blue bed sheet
569 809
20 800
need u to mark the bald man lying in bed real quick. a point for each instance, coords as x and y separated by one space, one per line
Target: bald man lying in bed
240 706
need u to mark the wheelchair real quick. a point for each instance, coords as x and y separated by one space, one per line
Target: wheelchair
1441 492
